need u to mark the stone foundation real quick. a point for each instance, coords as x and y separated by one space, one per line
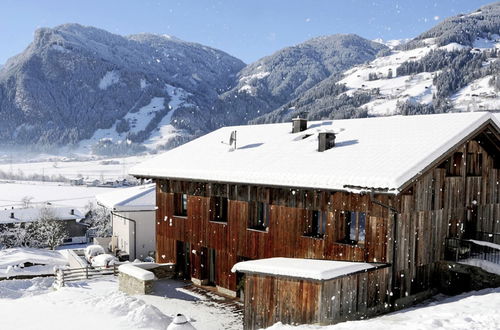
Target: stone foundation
132 285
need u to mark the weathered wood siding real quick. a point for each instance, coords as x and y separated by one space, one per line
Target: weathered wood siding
270 299
444 203
285 236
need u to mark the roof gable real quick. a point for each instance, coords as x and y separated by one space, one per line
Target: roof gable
381 153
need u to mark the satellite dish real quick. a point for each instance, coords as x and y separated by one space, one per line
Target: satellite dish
232 139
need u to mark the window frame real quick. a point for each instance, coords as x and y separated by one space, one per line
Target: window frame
219 209
258 216
315 224
181 205
359 226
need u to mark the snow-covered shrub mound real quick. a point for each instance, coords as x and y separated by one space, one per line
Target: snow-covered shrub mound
135 311
24 256
92 251
104 260
15 289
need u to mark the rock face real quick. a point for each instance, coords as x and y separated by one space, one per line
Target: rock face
73 80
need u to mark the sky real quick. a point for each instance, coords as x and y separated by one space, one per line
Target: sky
248 29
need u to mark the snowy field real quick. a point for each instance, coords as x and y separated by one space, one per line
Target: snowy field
58 194
473 310
97 304
113 168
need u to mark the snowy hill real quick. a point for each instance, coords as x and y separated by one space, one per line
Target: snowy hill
279 78
429 74
100 93
73 80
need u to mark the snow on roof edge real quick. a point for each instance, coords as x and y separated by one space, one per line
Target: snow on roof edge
447 146
393 186
311 269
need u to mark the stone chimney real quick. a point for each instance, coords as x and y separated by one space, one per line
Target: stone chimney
12 215
299 124
326 140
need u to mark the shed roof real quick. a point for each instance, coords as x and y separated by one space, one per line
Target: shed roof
302 268
382 153
139 198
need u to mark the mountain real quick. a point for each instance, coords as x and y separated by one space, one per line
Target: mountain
454 66
102 93
275 80
73 81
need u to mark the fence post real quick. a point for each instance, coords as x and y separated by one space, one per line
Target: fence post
86 272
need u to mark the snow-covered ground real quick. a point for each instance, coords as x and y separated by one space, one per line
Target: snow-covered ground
104 169
473 310
58 194
97 304
13 262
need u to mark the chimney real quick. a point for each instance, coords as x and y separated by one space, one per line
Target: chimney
72 212
12 215
299 124
326 140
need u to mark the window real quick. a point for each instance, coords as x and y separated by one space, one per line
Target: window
180 205
258 217
315 224
474 164
355 223
219 209
454 165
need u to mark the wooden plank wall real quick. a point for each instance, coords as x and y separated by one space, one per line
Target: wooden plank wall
284 238
270 299
437 206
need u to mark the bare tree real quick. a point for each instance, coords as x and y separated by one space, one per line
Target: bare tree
26 200
51 230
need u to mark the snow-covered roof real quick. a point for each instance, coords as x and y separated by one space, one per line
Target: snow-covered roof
302 268
18 256
371 153
139 198
33 214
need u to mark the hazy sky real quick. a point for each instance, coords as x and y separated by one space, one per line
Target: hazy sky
246 29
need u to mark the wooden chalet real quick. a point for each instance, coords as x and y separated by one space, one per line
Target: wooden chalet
383 192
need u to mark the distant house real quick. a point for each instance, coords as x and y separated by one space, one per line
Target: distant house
76 181
372 202
133 212
70 216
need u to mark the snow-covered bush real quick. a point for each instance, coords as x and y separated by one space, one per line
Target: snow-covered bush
104 260
99 220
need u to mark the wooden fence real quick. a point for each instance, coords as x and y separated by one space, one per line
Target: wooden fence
78 274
